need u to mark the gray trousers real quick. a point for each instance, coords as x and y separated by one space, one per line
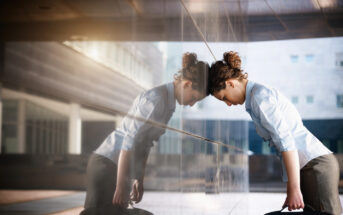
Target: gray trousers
319 184
101 185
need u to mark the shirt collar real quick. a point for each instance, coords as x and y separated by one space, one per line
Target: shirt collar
248 90
171 96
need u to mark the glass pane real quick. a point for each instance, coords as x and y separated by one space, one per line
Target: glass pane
10 111
9 138
42 132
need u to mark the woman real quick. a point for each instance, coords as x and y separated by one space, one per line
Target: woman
123 154
311 169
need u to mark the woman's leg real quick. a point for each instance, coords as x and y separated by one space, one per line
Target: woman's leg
319 184
101 184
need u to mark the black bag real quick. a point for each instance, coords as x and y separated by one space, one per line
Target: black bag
308 210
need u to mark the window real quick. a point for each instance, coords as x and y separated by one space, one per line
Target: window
339 60
326 143
340 146
340 101
9 126
295 99
46 131
309 58
265 148
294 58
309 99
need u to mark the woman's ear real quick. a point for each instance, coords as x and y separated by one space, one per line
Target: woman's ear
186 84
229 83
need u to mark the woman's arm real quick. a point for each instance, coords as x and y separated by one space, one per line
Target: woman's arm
121 195
294 198
266 107
137 187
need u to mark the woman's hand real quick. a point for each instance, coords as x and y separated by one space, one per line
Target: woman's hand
121 197
294 199
137 191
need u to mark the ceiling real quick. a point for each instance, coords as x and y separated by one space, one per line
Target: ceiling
168 20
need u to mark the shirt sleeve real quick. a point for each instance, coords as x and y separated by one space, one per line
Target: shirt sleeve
143 109
272 119
140 163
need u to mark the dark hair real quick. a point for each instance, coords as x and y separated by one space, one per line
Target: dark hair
221 71
194 71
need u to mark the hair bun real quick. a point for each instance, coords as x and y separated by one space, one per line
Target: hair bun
232 59
189 59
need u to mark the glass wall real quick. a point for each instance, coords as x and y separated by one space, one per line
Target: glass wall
222 166
190 164
116 89
198 150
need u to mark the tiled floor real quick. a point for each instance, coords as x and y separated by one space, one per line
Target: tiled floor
72 211
46 205
16 196
160 203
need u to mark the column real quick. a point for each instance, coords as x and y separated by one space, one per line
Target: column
74 142
2 63
21 127
0 117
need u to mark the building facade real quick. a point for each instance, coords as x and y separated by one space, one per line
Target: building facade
53 94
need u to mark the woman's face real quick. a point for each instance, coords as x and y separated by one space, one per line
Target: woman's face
187 95
232 94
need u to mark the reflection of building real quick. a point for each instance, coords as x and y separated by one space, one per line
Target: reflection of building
37 125
230 132
61 100
170 143
210 117
184 119
56 100
136 61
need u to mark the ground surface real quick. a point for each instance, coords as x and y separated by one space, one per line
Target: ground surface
36 202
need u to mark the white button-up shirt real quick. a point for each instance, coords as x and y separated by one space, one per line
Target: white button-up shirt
157 104
277 121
